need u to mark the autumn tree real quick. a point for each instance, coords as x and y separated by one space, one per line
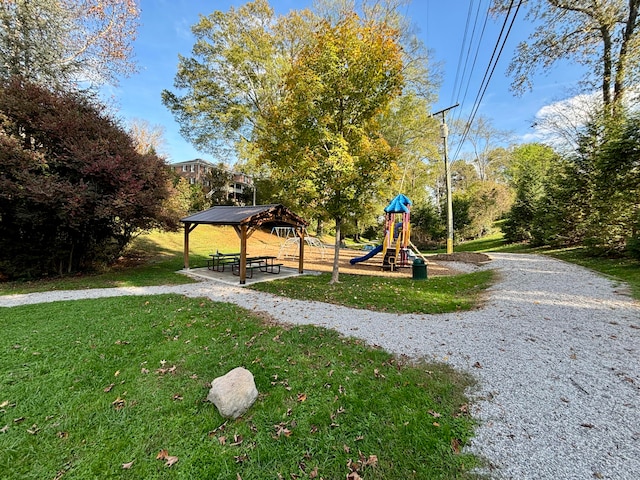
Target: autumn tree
73 189
64 43
235 73
322 139
599 35
148 138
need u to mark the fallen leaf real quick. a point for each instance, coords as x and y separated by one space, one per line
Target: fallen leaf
127 466
162 454
302 397
241 458
346 448
354 476
118 403
222 440
63 434
372 461
144 371
455 445
313 473
117 373
434 414
436 424
33 430
237 440
4 404
477 365
4 429
18 420
108 389
171 460
178 397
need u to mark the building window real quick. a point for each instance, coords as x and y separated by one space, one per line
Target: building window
193 168
184 168
192 180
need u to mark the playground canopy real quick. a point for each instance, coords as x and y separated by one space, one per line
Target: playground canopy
245 220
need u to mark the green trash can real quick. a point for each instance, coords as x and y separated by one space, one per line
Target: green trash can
419 269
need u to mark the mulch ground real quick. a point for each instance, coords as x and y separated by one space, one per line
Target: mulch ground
322 259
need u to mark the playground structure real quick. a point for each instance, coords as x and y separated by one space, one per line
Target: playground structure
397 236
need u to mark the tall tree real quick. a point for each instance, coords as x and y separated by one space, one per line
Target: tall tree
236 72
323 138
601 35
65 42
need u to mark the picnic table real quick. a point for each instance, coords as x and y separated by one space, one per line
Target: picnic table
219 260
263 263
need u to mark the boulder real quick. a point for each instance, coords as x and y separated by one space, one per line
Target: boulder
233 393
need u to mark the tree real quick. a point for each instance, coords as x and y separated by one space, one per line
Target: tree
239 61
73 189
483 138
219 178
409 129
527 173
148 138
322 139
600 35
64 43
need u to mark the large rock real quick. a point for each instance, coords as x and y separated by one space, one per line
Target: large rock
233 393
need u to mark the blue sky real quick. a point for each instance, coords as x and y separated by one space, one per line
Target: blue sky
165 32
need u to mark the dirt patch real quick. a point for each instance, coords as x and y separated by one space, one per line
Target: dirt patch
321 259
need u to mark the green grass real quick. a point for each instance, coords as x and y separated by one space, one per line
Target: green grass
152 259
399 295
88 386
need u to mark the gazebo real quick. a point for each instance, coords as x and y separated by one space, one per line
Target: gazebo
245 220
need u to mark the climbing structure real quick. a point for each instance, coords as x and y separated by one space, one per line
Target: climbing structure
397 233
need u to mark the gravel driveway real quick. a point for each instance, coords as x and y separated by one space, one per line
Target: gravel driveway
556 350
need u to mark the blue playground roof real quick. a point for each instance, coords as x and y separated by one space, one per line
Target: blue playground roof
398 204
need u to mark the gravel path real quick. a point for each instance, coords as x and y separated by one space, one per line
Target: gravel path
556 350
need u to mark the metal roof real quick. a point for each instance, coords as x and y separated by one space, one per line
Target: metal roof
253 216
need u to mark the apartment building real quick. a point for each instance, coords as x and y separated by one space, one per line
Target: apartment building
195 171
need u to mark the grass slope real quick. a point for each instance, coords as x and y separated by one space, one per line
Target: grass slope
90 387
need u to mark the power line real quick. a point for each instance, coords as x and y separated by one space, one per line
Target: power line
493 62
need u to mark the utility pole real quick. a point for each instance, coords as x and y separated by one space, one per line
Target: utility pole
444 133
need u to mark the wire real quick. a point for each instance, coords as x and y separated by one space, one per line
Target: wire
464 40
493 62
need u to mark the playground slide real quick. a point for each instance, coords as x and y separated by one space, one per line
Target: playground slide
373 252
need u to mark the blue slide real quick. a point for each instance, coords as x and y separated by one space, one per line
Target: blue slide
373 252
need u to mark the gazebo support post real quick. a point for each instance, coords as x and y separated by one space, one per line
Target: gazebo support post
243 254
301 252
188 228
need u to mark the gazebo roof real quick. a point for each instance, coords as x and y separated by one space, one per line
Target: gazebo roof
252 216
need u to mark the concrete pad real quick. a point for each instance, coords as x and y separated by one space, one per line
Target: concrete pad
229 278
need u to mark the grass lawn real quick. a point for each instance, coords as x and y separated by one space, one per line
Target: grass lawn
399 295
152 259
90 387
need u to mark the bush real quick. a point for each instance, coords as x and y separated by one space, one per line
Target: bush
73 189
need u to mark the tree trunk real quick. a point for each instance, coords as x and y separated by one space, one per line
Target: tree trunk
335 273
319 228
607 66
